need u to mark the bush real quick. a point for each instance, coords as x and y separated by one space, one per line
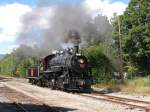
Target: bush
102 67
132 71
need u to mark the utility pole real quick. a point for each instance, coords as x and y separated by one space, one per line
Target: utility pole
120 50
12 62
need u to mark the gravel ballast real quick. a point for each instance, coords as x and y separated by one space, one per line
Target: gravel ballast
71 102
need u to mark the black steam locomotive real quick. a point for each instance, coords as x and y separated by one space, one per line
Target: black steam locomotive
65 70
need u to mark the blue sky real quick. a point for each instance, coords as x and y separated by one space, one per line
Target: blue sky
29 2
34 2
125 1
12 10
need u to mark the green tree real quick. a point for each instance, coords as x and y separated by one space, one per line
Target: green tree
135 30
102 66
6 65
15 66
23 66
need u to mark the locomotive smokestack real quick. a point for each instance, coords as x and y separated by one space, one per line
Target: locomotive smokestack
74 38
76 48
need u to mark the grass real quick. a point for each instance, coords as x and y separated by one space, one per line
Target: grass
5 75
137 85
112 85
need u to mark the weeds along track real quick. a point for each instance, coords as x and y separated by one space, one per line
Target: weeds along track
133 103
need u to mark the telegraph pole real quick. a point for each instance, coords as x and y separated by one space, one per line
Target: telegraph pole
120 50
12 62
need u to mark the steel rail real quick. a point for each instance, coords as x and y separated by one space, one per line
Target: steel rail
146 108
122 98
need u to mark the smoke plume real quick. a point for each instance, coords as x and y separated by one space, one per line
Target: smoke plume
46 27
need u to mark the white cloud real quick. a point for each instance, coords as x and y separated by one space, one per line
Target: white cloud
106 7
10 20
12 47
39 18
6 37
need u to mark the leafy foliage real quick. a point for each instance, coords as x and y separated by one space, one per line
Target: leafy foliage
6 65
14 66
102 66
135 25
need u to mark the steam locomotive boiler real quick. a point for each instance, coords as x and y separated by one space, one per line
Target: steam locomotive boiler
64 70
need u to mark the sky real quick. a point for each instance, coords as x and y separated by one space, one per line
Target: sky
13 11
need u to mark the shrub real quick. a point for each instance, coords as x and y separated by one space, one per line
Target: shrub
102 67
132 71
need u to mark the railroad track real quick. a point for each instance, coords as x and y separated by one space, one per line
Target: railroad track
21 103
133 103
19 107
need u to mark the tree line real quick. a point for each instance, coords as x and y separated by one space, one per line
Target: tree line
126 36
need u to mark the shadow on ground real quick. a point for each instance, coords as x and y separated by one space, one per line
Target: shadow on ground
13 107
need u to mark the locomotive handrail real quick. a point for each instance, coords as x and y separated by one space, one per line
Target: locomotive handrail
48 71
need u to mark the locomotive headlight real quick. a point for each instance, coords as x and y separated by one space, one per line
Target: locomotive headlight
81 61
82 65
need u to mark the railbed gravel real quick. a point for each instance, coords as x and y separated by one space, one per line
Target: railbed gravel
10 98
72 102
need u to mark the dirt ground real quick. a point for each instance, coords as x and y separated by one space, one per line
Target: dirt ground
71 102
